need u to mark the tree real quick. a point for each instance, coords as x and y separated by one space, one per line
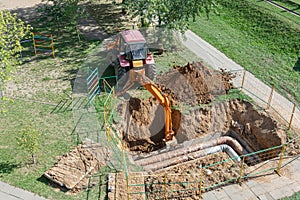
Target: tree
29 140
174 14
12 30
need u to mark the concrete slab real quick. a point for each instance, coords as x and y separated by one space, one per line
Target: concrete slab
211 195
221 194
280 182
296 176
237 191
281 192
8 192
233 188
258 190
265 196
250 183
4 187
23 194
5 196
295 186
246 195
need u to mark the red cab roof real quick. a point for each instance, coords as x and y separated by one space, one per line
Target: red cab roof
132 36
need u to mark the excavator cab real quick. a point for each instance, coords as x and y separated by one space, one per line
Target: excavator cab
131 53
136 51
136 65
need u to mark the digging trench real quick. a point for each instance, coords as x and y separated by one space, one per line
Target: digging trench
232 126
206 132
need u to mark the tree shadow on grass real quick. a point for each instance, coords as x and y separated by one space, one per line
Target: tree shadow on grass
297 65
48 182
104 19
8 167
108 16
68 42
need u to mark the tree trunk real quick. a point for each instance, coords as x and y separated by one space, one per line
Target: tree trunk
34 160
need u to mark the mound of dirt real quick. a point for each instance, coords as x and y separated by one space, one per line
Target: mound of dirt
142 127
214 175
70 170
195 83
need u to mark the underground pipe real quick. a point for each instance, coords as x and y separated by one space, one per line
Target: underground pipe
254 159
192 148
192 156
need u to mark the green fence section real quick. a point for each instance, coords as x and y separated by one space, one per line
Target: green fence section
105 104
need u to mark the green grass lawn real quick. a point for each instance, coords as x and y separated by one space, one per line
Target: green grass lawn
295 1
264 45
56 140
39 85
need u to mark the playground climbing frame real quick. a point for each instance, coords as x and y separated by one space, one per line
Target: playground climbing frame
43 44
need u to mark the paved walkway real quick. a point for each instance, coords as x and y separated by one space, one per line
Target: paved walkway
269 187
8 192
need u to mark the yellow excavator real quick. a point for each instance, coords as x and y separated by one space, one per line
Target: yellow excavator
135 63
138 76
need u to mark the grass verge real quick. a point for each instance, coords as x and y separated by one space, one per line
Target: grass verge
262 41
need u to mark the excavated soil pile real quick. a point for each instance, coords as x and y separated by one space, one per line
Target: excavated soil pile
71 170
195 83
142 127
210 176
183 180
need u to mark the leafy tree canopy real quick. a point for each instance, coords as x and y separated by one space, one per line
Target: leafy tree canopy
174 14
12 30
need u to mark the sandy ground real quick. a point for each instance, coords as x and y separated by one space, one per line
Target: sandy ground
14 4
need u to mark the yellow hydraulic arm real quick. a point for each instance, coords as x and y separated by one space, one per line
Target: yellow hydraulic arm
163 98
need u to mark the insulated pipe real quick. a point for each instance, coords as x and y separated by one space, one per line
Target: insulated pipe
254 158
193 156
192 148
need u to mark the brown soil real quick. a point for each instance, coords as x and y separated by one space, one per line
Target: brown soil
187 177
143 127
71 170
195 83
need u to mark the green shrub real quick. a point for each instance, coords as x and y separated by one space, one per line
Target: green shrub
29 140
